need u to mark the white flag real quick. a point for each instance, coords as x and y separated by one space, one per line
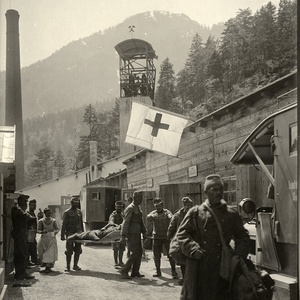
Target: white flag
155 129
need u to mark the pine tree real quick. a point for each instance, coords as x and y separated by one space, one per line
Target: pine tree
166 85
59 162
287 35
41 167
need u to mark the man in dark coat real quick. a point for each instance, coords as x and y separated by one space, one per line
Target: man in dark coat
199 240
132 228
72 223
116 217
31 238
157 226
20 218
175 222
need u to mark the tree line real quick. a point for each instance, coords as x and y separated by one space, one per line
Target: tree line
254 50
103 127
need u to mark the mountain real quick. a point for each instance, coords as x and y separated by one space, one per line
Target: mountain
86 71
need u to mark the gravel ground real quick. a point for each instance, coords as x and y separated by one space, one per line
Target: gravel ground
97 280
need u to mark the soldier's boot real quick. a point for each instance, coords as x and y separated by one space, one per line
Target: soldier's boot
121 258
116 257
76 259
68 259
158 271
173 268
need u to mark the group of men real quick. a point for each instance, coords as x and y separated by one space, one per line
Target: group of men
24 229
198 236
24 226
195 228
161 228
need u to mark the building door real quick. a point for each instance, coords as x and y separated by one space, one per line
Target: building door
173 193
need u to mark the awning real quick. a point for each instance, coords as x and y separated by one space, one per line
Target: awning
257 148
260 140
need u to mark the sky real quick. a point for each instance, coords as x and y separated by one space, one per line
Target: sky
45 26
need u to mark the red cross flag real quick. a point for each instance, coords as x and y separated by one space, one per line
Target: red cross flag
155 129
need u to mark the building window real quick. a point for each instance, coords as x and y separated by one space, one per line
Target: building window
96 196
230 190
293 139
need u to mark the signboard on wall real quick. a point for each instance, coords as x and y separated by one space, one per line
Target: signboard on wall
150 182
7 144
193 171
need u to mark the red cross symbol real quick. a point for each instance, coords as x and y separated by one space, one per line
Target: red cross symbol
156 125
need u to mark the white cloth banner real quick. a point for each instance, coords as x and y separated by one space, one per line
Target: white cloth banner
155 129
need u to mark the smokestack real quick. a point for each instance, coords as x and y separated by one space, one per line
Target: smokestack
13 99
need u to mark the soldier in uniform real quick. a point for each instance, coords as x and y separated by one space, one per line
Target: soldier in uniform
175 222
132 228
72 223
199 239
157 225
116 217
31 240
20 218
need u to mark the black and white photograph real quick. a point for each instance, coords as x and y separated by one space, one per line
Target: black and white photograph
149 150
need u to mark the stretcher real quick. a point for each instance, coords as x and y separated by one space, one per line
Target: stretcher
107 239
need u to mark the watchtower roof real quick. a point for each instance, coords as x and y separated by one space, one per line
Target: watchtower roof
134 48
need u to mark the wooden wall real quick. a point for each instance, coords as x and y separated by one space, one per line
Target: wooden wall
210 142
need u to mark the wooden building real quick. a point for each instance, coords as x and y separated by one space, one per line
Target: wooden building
206 147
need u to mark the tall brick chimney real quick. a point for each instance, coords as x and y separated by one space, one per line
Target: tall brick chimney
13 98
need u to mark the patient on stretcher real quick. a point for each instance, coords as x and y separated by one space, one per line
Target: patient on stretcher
97 234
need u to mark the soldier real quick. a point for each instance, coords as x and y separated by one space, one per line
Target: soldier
116 217
31 238
132 228
175 222
20 218
157 224
72 223
199 239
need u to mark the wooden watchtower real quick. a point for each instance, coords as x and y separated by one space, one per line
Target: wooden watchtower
137 81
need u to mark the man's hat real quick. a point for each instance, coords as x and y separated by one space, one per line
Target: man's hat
186 200
23 198
47 209
119 203
157 201
213 180
32 201
75 199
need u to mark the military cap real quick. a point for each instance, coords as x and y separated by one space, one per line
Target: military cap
118 203
75 199
32 201
47 209
213 180
157 201
186 200
23 198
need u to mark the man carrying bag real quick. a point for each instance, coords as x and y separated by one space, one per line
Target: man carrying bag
199 239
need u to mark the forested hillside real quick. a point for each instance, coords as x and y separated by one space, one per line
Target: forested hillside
253 50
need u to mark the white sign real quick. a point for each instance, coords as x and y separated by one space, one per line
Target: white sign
150 182
7 144
193 171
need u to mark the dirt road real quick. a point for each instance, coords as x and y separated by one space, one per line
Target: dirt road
97 280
